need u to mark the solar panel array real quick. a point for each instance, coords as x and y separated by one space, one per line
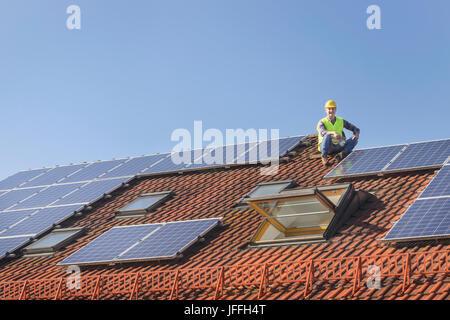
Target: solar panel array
33 201
39 199
10 244
142 242
419 155
429 216
38 221
248 152
440 185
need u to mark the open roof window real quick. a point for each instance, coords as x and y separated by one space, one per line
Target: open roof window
304 214
146 202
265 188
53 241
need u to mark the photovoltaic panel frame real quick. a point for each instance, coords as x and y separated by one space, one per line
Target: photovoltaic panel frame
10 244
440 185
20 178
109 245
233 154
141 242
418 155
93 170
92 191
169 240
134 166
429 154
41 221
365 161
424 219
13 197
53 176
48 196
10 218
170 162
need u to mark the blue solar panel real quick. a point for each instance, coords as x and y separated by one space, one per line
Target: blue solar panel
425 218
169 240
48 196
41 221
440 185
9 218
266 148
206 159
91 191
93 170
287 144
218 156
230 153
236 154
14 196
134 166
423 154
53 176
249 152
365 161
141 242
170 163
8 245
225 155
19 178
110 244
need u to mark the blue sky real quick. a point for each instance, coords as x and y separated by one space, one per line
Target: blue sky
138 70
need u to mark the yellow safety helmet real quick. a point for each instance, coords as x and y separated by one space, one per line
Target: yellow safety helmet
330 104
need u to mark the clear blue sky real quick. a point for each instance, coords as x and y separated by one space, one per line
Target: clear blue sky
137 70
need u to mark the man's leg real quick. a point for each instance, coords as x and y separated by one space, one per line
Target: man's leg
324 148
349 145
325 145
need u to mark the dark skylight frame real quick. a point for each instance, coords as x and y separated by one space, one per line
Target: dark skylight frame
145 203
53 241
265 188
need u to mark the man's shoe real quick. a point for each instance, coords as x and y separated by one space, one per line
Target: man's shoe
341 156
325 161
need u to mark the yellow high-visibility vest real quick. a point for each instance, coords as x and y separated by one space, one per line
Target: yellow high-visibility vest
338 127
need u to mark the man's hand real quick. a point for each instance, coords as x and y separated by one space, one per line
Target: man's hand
355 137
336 135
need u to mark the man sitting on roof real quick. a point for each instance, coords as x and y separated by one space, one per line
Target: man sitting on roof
331 135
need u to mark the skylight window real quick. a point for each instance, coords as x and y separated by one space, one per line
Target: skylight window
267 188
304 214
144 204
53 241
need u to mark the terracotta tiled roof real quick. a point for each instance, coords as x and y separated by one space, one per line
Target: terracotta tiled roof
213 193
